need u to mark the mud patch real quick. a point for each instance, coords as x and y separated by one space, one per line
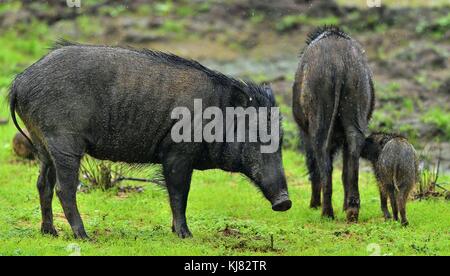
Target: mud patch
230 232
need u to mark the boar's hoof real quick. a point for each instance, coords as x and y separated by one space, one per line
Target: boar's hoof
328 213
182 232
345 206
80 234
352 214
314 205
405 223
49 230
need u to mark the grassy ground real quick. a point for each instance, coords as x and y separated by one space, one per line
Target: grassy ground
226 214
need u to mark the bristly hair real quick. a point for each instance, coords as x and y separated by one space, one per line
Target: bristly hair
325 31
252 89
391 135
61 42
386 137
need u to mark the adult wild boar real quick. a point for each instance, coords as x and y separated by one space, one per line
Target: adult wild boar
395 164
333 99
115 104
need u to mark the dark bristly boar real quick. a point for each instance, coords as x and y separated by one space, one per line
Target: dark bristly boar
394 161
115 104
333 100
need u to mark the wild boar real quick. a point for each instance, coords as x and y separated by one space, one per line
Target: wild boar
333 100
395 164
116 104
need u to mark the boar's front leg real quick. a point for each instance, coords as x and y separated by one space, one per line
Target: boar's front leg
177 173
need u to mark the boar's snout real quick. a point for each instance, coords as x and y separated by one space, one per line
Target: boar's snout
281 202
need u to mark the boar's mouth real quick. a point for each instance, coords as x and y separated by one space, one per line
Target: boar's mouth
282 202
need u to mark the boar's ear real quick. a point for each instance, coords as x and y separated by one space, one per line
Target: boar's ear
239 97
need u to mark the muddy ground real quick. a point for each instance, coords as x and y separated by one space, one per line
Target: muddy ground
408 49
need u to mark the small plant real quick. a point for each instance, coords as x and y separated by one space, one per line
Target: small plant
100 174
428 182
106 175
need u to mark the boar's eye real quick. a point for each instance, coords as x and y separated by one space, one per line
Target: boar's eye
240 98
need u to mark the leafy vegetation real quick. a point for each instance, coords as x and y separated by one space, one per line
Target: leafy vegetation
439 118
437 27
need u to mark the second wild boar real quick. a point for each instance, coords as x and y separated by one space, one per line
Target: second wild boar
394 161
333 100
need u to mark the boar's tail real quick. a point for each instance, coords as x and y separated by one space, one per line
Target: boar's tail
12 108
337 95
394 180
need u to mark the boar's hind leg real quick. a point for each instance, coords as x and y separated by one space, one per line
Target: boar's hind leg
46 184
393 200
324 163
354 141
66 154
384 207
402 198
314 175
177 173
325 168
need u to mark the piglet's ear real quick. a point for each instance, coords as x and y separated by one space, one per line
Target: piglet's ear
239 97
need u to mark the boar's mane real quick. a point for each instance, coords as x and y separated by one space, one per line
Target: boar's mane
325 31
261 93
